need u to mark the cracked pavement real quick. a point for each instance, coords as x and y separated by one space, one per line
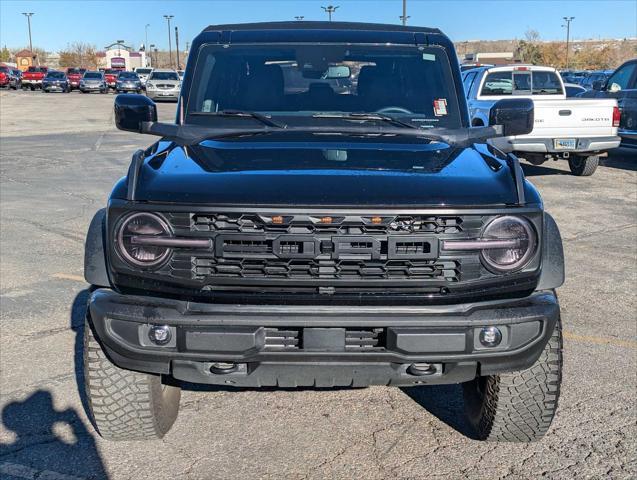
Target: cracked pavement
59 157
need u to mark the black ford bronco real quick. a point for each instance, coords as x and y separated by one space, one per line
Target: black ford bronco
321 214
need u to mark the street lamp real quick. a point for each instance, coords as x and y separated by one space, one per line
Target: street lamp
299 18
29 15
146 43
152 62
170 45
568 21
330 9
404 16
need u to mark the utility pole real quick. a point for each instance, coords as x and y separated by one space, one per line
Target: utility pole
29 15
177 47
152 61
568 21
146 41
330 9
299 18
404 16
170 46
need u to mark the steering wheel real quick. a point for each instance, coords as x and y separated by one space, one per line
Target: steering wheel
394 110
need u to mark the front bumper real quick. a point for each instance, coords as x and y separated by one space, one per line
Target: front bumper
162 94
445 336
546 145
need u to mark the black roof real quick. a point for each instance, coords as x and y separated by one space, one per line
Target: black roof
303 25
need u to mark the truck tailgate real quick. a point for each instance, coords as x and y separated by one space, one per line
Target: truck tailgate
574 118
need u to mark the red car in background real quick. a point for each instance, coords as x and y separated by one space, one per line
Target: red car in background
4 76
75 75
32 78
110 75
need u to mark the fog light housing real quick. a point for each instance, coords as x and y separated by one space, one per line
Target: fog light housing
490 336
159 334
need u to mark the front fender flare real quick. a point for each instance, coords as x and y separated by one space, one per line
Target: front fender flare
553 269
95 271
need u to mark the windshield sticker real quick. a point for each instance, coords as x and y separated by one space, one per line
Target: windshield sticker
440 107
429 57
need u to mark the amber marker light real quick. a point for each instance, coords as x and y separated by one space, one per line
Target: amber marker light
277 219
377 220
326 219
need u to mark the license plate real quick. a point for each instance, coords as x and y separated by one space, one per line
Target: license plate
165 94
565 143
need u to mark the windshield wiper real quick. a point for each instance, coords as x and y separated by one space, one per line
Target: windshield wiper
364 116
265 120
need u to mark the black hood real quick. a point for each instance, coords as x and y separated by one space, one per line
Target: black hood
325 171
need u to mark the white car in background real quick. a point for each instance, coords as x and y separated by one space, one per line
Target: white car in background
163 85
576 129
143 73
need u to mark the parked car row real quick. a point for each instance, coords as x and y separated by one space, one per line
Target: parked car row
578 130
162 84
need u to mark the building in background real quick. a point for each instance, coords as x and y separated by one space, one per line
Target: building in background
121 58
492 58
25 59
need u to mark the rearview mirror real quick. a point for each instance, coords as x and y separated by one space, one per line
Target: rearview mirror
132 110
514 114
598 85
337 71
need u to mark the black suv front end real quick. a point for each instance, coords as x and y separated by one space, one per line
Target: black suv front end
321 214
324 298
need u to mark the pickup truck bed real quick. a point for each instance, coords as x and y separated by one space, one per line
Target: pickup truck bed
576 129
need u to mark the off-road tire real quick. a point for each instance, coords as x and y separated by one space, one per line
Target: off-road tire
518 406
123 404
583 166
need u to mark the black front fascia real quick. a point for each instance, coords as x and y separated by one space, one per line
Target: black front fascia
304 261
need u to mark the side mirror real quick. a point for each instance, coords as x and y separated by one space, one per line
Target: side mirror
598 85
132 110
514 114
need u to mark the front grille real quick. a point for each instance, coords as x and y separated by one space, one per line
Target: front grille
202 268
307 224
356 339
301 252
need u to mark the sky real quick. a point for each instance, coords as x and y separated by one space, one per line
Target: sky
56 23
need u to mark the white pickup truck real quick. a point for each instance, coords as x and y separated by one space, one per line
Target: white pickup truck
577 129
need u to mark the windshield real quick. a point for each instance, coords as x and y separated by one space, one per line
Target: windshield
112 71
414 84
93 75
164 76
143 71
73 71
56 75
36 69
128 76
522 82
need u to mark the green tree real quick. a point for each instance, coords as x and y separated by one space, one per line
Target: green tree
5 54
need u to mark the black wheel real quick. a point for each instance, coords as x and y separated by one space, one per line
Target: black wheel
517 406
125 405
32 88
583 166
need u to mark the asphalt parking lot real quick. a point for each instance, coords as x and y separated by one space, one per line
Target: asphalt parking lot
60 155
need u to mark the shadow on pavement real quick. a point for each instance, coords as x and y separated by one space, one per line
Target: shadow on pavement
622 161
445 402
537 170
49 443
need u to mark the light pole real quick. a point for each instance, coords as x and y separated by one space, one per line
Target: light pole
568 21
152 62
29 15
404 16
177 48
299 18
170 45
330 9
146 42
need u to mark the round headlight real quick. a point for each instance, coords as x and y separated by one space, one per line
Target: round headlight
511 258
131 232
